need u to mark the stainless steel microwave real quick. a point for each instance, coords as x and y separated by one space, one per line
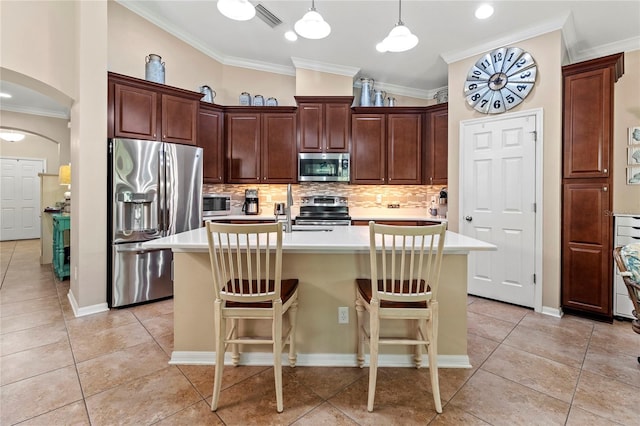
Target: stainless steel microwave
329 167
215 205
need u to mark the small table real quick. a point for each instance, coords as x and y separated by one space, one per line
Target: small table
61 251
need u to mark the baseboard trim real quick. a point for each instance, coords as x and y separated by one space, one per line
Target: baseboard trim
315 360
552 312
85 310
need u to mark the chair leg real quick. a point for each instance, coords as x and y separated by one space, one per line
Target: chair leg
374 337
418 348
293 319
235 358
277 352
220 331
433 366
360 321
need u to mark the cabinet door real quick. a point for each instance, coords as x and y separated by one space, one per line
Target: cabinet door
587 124
311 122
437 147
243 147
586 245
179 120
368 134
212 144
135 112
404 149
279 153
336 127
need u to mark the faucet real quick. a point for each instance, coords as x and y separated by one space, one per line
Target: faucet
288 226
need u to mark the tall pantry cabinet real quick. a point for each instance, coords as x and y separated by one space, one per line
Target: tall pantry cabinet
587 185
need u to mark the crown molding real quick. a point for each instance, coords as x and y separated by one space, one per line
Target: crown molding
552 25
259 65
312 65
36 111
628 45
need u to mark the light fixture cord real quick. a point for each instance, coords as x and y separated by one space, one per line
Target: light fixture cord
313 5
400 13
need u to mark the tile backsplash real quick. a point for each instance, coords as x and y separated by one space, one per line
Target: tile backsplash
408 196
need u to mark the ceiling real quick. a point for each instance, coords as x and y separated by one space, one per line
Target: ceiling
447 30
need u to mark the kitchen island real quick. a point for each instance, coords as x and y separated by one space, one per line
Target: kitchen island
326 264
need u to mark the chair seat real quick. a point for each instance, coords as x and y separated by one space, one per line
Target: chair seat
288 289
364 289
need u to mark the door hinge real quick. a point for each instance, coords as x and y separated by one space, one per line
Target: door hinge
534 134
535 207
534 278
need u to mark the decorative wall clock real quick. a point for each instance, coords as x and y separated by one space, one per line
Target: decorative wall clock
500 80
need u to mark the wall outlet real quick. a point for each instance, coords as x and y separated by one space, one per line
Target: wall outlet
379 198
268 198
343 315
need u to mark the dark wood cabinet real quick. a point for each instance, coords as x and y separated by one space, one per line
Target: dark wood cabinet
586 249
324 123
386 147
261 145
140 109
436 145
587 286
210 139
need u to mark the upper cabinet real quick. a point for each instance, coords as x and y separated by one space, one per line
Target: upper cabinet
323 123
141 109
261 144
436 145
210 139
588 116
386 147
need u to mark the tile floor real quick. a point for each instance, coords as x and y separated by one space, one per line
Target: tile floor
111 368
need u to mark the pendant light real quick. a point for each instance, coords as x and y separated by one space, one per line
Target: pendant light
238 10
311 25
11 136
400 38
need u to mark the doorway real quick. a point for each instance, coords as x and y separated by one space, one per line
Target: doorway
501 203
20 198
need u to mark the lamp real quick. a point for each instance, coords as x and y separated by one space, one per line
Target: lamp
238 10
64 178
400 38
311 25
11 136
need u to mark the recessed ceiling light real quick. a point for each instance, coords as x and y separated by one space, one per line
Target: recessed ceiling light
11 136
484 11
4 95
291 35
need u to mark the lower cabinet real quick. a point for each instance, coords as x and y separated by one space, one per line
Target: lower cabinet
61 248
587 260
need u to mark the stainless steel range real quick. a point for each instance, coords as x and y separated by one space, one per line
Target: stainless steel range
327 210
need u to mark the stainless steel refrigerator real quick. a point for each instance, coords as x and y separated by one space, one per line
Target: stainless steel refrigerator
155 190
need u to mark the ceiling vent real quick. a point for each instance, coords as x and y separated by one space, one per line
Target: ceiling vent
269 18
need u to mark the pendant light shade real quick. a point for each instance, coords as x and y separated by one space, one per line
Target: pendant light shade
311 25
238 10
11 136
400 38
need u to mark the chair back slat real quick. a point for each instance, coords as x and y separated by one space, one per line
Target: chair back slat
407 265
246 261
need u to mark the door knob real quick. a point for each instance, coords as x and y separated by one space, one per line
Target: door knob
468 218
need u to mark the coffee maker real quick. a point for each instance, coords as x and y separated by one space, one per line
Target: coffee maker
251 205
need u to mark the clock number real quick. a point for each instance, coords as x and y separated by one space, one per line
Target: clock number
510 98
497 57
521 87
485 64
525 74
475 97
497 104
510 58
521 62
473 86
484 102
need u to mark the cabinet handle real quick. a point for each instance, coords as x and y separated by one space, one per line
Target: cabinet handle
605 189
154 135
606 171
431 179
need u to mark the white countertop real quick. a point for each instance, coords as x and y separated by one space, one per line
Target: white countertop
340 239
356 213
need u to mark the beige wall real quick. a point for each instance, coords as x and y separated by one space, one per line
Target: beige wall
46 137
547 51
316 83
626 198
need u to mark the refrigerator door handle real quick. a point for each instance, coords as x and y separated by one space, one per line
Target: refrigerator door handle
162 192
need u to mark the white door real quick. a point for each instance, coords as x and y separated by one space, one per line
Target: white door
20 198
498 177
